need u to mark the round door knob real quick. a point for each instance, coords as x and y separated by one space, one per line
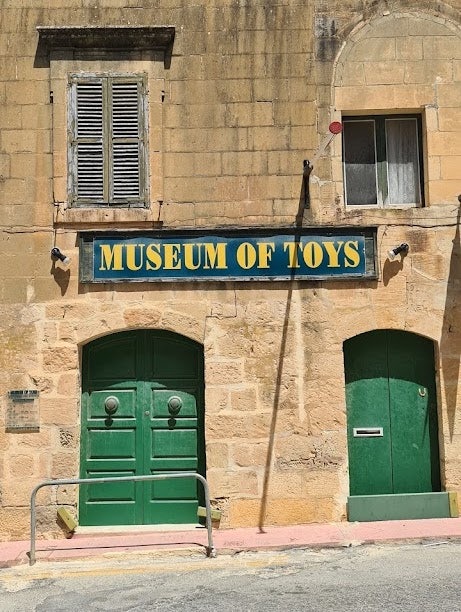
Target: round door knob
111 404
174 404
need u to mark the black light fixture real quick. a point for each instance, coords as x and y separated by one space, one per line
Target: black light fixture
56 253
402 248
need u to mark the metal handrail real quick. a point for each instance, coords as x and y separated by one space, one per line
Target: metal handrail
210 549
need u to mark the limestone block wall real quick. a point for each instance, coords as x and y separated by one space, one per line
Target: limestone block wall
249 94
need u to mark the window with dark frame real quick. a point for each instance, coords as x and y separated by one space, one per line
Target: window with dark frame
382 161
107 148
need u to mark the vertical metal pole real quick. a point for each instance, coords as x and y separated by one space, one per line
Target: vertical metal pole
210 551
32 525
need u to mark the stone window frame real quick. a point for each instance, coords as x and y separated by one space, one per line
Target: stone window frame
116 50
381 159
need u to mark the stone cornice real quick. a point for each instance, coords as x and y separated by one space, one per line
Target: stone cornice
107 37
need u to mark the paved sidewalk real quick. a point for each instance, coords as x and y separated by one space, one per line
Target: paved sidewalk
228 541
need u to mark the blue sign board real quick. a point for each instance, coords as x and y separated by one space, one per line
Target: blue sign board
229 256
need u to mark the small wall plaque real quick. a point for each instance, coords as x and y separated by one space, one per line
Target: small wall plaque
23 410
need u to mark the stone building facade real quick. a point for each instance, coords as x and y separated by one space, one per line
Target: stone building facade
275 376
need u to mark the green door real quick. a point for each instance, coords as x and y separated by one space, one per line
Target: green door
142 413
391 414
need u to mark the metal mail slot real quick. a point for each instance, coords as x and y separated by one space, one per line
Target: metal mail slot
368 432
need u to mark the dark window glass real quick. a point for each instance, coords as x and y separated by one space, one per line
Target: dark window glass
382 161
360 162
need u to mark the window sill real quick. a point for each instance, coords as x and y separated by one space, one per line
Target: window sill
429 215
378 207
105 215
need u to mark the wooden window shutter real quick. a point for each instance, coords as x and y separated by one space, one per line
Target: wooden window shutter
107 128
127 141
88 157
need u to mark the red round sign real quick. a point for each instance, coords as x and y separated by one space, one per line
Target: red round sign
336 127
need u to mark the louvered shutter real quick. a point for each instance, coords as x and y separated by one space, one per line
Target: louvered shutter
107 126
127 141
89 142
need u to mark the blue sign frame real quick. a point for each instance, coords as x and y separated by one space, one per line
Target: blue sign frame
223 256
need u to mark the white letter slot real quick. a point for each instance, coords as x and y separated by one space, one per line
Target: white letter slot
368 432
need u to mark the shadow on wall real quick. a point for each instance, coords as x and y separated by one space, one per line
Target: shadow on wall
392 268
450 342
302 206
275 409
61 277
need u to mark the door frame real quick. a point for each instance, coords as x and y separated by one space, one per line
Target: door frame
376 504
151 333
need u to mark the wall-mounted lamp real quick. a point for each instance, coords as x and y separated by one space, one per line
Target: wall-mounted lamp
56 253
402 248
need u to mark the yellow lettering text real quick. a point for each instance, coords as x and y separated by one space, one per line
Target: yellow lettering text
293 249
215 256
153 257
246 255
265 250
131 256
351 254
333 252
189 249
313 254
171 253
111 257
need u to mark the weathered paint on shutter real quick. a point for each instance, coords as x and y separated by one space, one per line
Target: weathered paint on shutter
107 128
126 141
89 145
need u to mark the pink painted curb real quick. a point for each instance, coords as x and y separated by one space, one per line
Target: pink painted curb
233 540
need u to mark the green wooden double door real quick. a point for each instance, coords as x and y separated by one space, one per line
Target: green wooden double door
142 413
391 414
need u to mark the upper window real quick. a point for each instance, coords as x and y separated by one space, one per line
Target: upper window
107 148
382 161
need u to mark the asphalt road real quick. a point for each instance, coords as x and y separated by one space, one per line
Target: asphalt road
417 578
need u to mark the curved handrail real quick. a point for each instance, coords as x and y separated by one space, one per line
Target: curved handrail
210 549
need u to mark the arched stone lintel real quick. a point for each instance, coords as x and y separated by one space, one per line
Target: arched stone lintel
367 329
142 318
362 28
446 15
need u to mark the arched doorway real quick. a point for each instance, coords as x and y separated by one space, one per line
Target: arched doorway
391 414
142 413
